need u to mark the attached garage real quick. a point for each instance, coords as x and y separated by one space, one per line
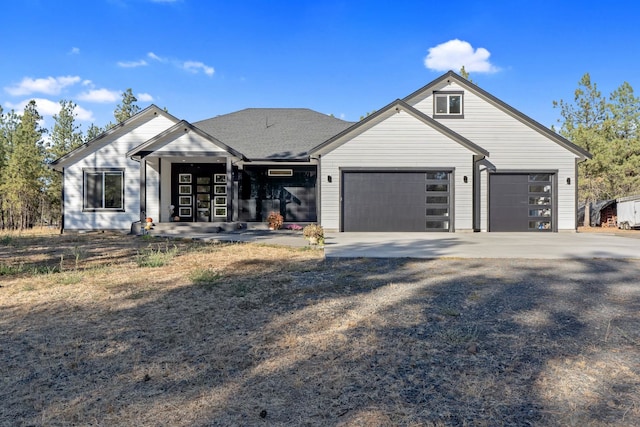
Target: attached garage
522 202
397 200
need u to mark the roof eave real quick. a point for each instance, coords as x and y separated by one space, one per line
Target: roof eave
60 162
400 104
135 152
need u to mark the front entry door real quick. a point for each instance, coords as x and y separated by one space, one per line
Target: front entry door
195 192
203 192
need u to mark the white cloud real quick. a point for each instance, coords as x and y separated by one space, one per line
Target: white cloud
74 51
155 57
455 54
48 86
47 107
133 64
144 97
195 66
100 96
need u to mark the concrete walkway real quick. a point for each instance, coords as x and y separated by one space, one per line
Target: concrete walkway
482 245
450 245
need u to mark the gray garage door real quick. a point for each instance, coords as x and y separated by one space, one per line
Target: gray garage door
521 202
396 201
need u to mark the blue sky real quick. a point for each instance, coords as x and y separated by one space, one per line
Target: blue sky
203 58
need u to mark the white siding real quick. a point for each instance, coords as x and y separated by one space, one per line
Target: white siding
513 145
187 142
110 153
399 141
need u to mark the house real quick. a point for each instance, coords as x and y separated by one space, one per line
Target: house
448 157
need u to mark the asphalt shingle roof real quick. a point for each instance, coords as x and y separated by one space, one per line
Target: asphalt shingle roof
273 133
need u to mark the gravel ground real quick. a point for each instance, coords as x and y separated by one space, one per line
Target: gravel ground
278 336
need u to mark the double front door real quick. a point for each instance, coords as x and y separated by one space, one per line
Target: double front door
199 193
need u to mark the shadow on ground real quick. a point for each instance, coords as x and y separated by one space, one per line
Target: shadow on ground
338 342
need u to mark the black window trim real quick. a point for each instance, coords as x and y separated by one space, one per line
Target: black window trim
447 93
86 171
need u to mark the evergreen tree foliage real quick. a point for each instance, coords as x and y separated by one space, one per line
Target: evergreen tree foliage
465 74
92 132
608 128
24 177
128 108
66 136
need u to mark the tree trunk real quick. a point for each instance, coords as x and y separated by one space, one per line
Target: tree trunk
587 214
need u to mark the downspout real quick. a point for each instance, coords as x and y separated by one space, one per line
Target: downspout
62 203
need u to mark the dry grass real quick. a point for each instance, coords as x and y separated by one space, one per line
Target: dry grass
260 335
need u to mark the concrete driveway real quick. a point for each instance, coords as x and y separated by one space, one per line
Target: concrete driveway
482 245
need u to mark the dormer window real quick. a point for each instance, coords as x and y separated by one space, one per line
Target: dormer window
447 105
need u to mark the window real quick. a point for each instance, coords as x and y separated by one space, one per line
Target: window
280 172
447 104
104 189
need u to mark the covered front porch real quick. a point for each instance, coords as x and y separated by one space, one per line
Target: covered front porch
223 189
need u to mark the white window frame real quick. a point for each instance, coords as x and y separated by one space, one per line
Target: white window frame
448 95
103 172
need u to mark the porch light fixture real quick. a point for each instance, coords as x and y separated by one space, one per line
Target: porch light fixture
465 179
329 179
568 181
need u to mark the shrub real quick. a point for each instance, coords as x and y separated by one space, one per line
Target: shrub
275 220
314 233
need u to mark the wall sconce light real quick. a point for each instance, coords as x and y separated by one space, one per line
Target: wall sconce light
329 179
465 179
568 181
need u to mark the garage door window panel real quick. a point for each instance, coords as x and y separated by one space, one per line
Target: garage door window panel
522 202
540 205
438 197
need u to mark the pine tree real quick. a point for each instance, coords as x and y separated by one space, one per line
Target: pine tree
65 137
585 125
24 177
610 131
92 132
128 108
8 127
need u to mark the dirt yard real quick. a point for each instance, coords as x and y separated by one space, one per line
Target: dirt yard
109 330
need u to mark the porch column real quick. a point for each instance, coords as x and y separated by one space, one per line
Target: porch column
143 191
230 213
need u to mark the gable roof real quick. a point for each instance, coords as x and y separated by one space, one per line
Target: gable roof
427 90
85 149
392 108
273 133
144 149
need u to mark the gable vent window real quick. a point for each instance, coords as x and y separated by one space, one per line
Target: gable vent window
280 172
448 105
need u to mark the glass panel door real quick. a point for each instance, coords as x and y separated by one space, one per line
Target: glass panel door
540 202
438 206
203 198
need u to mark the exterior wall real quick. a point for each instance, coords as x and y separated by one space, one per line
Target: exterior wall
186 143
512 146
110 154
399 141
